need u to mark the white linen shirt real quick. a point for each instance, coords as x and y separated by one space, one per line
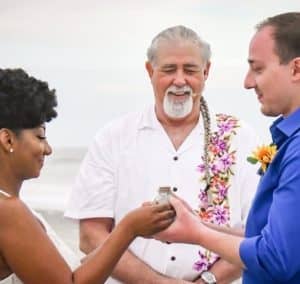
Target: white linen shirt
131 158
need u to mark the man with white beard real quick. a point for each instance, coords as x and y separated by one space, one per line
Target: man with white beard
177 143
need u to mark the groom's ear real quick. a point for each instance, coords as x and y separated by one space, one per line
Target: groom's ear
295 69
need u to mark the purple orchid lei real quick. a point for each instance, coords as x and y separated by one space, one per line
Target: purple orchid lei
221 161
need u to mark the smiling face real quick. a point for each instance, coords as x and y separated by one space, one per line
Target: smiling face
271 80
30 148
178 76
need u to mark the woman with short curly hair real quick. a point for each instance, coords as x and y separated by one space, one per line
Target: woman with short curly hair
29 253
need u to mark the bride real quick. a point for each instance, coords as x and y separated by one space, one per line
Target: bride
30 251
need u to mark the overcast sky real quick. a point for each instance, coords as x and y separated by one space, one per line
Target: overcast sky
93 53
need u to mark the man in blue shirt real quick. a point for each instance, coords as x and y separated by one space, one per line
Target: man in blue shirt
269 249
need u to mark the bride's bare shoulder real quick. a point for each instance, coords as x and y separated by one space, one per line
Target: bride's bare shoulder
13 214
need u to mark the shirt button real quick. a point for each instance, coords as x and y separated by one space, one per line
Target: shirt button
175 158
173 258
175 189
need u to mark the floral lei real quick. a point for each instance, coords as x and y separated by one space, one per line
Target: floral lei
221 159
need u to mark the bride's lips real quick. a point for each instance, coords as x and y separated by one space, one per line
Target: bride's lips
41 162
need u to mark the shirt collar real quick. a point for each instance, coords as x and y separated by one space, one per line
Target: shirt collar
149 120
282 128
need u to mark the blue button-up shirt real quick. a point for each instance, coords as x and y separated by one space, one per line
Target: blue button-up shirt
271 249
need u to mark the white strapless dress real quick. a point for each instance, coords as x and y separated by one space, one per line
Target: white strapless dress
70 257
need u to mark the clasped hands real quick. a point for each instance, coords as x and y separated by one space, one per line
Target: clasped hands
186 225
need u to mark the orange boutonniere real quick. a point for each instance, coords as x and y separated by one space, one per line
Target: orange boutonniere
264 155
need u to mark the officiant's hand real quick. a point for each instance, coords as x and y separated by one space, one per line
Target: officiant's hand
186 226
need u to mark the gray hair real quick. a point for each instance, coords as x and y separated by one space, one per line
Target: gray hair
178 33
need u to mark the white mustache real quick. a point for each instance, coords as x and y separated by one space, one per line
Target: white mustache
186 90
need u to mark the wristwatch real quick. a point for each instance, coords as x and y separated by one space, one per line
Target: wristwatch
208 277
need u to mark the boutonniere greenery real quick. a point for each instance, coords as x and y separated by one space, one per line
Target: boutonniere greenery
264 155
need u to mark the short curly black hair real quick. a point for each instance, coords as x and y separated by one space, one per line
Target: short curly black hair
25 102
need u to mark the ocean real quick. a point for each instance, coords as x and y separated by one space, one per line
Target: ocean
50 191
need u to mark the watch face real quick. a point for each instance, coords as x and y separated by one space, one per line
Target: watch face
208 277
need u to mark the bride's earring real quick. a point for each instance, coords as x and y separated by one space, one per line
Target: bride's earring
11 150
